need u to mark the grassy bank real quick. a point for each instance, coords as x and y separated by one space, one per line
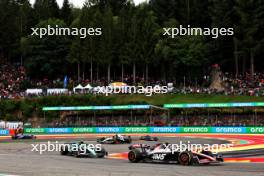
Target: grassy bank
194 98
24 108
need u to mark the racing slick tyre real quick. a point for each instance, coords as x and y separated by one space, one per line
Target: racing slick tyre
102 154
185 158
134 156
64 151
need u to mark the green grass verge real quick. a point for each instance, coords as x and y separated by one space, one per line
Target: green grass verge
33 107
194 98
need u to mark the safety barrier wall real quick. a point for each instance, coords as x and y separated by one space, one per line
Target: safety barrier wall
109 130
4 132
105 130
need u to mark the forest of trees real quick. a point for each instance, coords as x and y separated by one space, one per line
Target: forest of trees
132 42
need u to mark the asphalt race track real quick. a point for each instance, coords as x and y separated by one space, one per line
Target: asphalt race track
16 158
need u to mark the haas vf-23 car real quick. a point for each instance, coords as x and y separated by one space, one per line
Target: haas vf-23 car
163 153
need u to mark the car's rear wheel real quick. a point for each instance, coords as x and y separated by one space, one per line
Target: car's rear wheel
64 151
102 153
134 156
185 158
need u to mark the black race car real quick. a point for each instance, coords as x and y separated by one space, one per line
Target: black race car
23 136
148 138
163 153
81 149
117 139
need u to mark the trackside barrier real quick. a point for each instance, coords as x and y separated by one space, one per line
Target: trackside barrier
105 130
4 132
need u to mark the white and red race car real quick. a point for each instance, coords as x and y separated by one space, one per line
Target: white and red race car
163 153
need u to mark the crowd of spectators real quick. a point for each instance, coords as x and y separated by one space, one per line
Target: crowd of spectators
11 80
232 85
13 83
225 120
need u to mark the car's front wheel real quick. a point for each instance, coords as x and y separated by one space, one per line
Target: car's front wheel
185 158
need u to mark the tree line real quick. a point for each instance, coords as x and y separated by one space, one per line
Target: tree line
132 42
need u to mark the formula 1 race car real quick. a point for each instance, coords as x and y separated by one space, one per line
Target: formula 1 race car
117 139
23 136
163 153
148 138
81 149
